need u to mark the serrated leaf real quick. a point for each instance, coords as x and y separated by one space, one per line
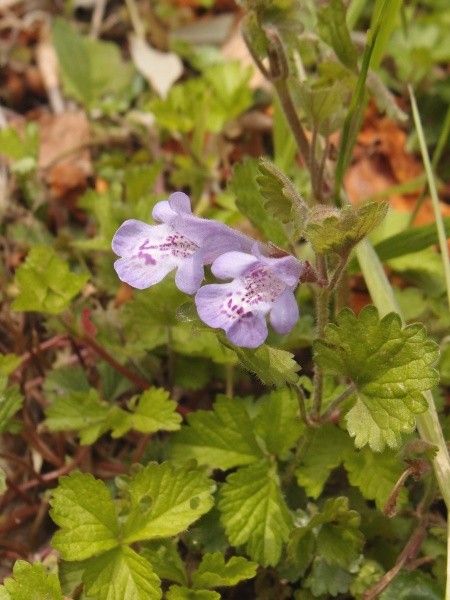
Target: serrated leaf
338 230
11 401
31 582
250 202
277 422
281 200
323 104
326 451
83 509
271 365
332 27
45 282
222 438
328 579
177 592
121 573
153 411
390 366
166 499
254 512
375 474
213 571
339 540
165 560
82 412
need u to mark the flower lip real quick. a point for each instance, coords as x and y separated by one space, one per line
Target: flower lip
260 285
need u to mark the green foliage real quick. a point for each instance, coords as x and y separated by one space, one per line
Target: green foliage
412 585
375 474
254 512
251 202
333 30
45 282
85 413
213 571
20 147
31 582
327 450
207 102
277 422
166 561
93 71
222 438
333 230
328 579
271 365
281 201
8 364
390 365
83 509
165 500
177 592
121 573
11 401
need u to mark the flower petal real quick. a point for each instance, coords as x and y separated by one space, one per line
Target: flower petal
250 331
190 273
180 203
163 212
211 301
287 268
139 274
132 234
284 314
232 264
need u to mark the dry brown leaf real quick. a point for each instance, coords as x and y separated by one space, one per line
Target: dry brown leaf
64 156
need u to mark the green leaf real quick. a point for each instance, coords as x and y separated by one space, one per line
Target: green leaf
221 438
152 411
91 69
254 512
323 104
281 200
231 95
277 422
20 146
339 540
338 230
271 365
165 560
177 592
166 499
390 366
121 573
333 30
83 509
251 203
410 240
8 364
368 575
31 582
45 282
90 417
412 585
11 401
328 579
375 474
326 451
213 571
82 412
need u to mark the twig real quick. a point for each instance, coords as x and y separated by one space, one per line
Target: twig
408 553
351 389
97 18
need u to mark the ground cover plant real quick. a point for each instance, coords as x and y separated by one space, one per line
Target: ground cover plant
224 300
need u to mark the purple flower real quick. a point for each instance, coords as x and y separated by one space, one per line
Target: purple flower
182 241
260 285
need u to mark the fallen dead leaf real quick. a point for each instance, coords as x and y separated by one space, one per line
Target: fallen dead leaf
64 156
